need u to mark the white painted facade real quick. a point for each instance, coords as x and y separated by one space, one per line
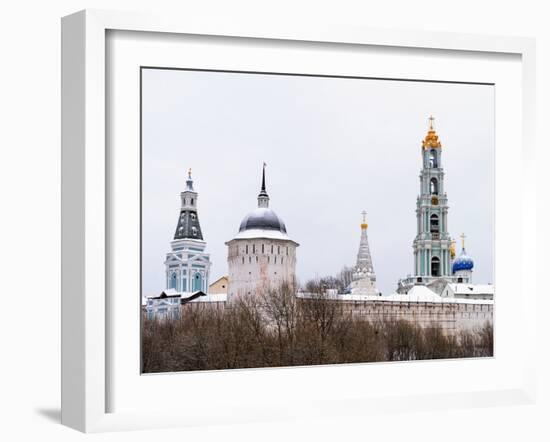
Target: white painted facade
260 263
469 291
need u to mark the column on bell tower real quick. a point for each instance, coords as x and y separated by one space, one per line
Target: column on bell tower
432 243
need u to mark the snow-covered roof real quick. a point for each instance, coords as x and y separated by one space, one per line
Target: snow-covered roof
472 289
216 297
418 293
262 233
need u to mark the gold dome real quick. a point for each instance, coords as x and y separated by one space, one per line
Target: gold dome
432 139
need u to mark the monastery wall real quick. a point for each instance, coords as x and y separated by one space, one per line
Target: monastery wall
451 317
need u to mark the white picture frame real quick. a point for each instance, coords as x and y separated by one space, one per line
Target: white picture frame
86 316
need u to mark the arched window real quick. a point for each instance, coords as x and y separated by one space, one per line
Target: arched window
262 248
433 158
434 223
197 282
194 231
192 201
173 281
435 266
434 190
247 249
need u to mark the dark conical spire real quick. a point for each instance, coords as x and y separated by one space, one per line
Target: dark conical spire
263 197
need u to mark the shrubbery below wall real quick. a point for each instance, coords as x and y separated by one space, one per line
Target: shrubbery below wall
278 329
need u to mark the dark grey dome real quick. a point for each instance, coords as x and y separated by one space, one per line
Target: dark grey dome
262 218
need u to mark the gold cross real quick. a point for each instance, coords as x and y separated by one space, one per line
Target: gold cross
364 216
189 172
431 121
463 238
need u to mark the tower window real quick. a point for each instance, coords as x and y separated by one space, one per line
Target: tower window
243 259
433 158
262 248
271 248
247 249
287 251
250 259
435 266
281 260
434 190
278 250
253 248
194 231
275 260
434 224
192 201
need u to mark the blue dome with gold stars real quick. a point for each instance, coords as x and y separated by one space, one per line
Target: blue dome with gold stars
463 262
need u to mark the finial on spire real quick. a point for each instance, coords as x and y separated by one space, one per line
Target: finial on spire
189 180
364 224
431 140
463 237
263 177
263 197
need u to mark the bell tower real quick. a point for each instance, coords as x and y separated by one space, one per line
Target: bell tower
187 264
432 244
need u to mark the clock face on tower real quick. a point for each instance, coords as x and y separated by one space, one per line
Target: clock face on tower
435 201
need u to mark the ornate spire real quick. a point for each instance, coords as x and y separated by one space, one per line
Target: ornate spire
363 267
463 238
263 197
432 139
188 222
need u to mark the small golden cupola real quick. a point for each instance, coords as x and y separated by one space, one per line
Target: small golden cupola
364 224
432 139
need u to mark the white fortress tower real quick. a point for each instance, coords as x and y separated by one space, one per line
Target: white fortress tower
187 266
261 256
364 279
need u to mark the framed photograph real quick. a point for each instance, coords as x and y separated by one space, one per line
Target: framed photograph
292 222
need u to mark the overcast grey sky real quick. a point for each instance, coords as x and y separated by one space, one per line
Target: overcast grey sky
334 147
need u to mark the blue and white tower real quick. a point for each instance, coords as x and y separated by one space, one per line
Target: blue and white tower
463 265
187 265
